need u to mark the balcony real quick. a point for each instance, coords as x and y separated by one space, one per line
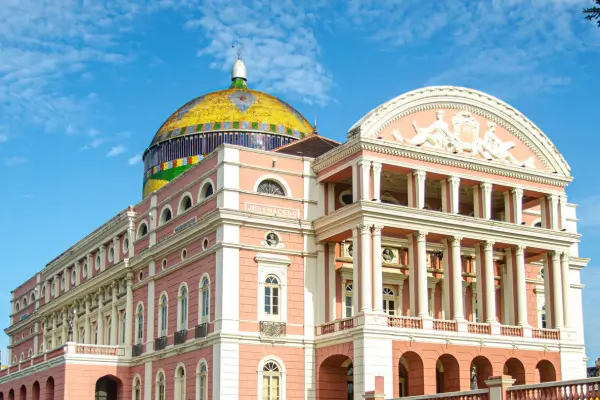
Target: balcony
201 331
180 336
160 343
137 350
272 329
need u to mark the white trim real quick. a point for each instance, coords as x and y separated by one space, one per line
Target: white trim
161 219
197 379
180 209
184 383
184 256
136 327
181 326
201 196
202 319
282 374
136 377
272 265
162 332
160 370
276 178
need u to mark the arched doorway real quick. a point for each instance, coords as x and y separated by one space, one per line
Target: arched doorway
35 391
180 383
447 374
1 395
50 389
106 388
336 378
516 370
23 393
547 371
11 394
410 375
482 367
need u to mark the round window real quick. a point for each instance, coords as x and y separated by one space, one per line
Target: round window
183 254
205 244
126 245
140 276
97 263
84 269
164 264
111 254
73 276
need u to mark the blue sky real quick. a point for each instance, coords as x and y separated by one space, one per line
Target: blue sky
84 85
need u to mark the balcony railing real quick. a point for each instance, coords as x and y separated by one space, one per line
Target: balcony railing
180 336
405 322
550 334
445 325
576 389
136 350
516 331
479 328
336 326
160 343
272 328
201 331
97 350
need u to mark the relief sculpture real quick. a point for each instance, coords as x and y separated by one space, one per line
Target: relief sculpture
464 138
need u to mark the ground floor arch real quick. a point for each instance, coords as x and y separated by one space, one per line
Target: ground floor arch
49 389
35 391
23 393
515 368
107 388
336 378
481 369
11 394
546 371
411 375
447 375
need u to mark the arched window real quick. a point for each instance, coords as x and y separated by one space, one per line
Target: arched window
163 315
140 325
32 297
389 301
17 306
543 317
202 381
108 331
270 186
185 204
183 308
272 289
206 191
271 381
29 353
24 302
142 230
137 389
205 306
348 307
160 386
123 325
165 215
180 383
345 197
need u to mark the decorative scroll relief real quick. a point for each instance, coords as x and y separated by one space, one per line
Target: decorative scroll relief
462 136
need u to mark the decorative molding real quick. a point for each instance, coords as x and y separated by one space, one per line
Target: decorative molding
464 99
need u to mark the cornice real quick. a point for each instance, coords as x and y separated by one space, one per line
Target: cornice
443 223
357 144
464 99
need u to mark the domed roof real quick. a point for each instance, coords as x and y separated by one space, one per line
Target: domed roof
234 109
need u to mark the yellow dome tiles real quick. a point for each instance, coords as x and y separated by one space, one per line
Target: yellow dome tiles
234 109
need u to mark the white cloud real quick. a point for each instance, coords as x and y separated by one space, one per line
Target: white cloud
15 161
279 45
115 151
135 159
94 144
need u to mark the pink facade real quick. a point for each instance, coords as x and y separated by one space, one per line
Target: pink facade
428 246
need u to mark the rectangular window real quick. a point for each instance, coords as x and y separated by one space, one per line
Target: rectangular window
205 303
348 306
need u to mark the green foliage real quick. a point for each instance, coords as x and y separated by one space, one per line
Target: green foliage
593 13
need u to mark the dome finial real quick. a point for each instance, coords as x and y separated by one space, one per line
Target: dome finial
238 72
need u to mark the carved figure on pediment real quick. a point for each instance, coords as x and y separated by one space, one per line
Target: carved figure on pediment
494 148
435 135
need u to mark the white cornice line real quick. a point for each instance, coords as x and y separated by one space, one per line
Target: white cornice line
468 99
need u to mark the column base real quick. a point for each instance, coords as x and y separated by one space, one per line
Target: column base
427 322
462 325
495 327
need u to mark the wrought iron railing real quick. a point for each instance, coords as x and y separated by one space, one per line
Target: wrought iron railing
160 343
272 328
180 336
136 350
201 331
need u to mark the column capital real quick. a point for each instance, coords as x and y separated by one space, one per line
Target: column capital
564 255
102 247
364 228
488 245
377 229
553 196
555 253
486 186
420 235
455 240
454 180
376 165
518 192
419 174
519 250
562 197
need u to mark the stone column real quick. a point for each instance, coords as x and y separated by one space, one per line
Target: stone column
490 290
64 331
521 286
129 310
562 210
366 272
557 290
517 195
44 329
549 211
355 268
365 175
54 331
102 258
67 276
56 285
486 197
377 270
457 302
422 274
100 321
446 283
547 263
450 194
412 276
116 250
355 191
86 323
418 196
376 181
566 287
114 318
330 197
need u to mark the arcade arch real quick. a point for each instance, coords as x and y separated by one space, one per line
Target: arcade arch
336 378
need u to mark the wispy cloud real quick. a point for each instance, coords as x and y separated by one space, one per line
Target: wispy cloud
94 144
135 159
509 48
116 150
3 134
279 46
14 161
